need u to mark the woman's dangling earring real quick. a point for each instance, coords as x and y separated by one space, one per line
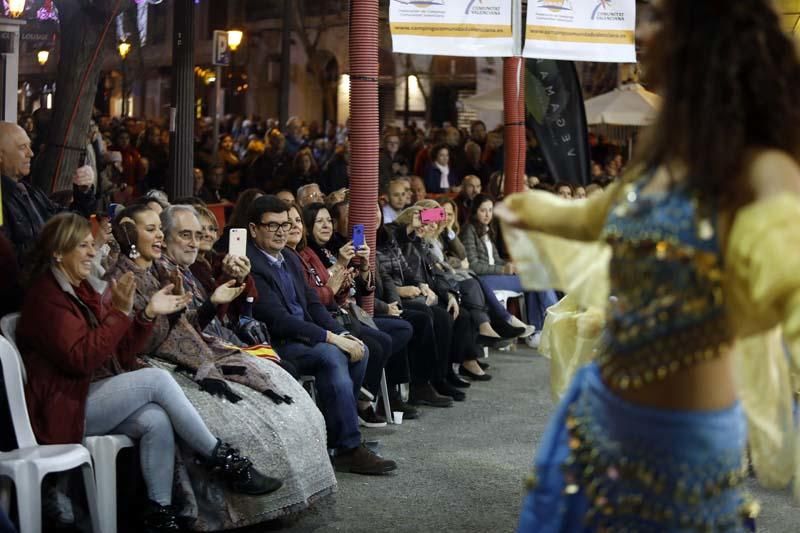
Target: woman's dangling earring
134 253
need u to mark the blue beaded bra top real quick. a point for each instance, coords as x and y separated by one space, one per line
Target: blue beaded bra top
666 310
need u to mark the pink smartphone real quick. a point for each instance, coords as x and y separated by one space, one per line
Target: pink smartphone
237 244
435 214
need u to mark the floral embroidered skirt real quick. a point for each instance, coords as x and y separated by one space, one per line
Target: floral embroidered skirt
605 464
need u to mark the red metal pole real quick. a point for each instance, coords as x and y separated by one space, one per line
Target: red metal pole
514 117
364 125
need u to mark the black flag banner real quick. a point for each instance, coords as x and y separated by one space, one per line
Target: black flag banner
554 103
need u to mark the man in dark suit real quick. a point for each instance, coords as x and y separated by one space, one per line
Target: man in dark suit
304 333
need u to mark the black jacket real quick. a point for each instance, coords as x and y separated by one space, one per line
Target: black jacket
272 307
21 225
421 264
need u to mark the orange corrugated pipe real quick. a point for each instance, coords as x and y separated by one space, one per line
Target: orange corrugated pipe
514 118
364 125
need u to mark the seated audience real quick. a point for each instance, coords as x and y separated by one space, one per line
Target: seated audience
309 194
286 196
238 218
481 248
429 363
470 188
212 268
81 352
564 190
287 435
397 199
441 291
304 332
439 175
26 208
337 283
418 191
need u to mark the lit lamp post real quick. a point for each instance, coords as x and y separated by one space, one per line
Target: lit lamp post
46 98
234 40
124 49
16 7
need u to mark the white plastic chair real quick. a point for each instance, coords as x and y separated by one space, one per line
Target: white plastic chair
503 296
387 407
104 450
310 384
8 327
30 462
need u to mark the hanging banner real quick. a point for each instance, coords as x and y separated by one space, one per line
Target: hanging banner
556 113
581 30
478 28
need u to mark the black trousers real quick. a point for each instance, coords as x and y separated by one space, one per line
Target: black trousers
422 349
443 336
380 350
401 332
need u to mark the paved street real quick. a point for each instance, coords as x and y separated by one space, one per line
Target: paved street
461 469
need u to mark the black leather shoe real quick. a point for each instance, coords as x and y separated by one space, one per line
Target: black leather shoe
364 461
456 381
426 394
494 343
473 376
159 518
483 365
506 330
443 388
409 411
239 472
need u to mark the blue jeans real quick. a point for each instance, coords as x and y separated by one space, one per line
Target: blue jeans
338 383
149 406
536 303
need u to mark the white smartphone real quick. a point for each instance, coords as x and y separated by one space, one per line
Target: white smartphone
237 244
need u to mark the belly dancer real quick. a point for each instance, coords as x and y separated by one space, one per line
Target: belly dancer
703 285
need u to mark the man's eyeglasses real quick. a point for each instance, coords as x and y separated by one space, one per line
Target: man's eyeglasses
275 226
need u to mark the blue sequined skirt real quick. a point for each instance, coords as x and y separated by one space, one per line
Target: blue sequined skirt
605 464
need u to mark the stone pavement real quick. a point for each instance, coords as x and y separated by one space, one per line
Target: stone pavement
461 469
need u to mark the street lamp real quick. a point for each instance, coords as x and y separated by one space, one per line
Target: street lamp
124 49
42 56
16 7
234 39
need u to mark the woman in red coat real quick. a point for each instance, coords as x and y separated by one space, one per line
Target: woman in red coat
79 342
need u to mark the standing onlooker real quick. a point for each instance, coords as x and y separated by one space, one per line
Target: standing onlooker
132 168
439 176
391 162
304 170
232 166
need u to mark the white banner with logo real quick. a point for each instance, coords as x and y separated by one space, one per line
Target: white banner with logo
581 30
478 28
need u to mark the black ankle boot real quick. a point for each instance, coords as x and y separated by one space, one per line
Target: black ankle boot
159 518
239 471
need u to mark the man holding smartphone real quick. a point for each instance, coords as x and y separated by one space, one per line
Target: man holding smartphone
305 333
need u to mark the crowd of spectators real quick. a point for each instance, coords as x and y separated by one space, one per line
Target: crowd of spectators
155 303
